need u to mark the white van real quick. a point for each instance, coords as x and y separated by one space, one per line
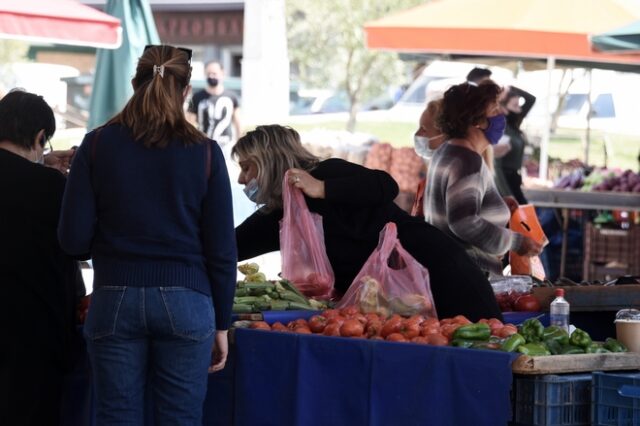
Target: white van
434 80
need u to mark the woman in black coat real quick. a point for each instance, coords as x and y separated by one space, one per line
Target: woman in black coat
355 203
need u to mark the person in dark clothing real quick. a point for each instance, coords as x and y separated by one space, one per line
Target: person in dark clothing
38 326
507 166
149 197
355 203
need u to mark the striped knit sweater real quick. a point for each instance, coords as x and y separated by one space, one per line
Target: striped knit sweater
461 200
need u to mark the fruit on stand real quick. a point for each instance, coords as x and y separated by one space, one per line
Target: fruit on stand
256 294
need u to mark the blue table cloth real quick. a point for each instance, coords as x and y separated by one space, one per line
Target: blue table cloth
290 379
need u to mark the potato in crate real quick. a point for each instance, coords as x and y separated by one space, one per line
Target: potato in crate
616 399
552 400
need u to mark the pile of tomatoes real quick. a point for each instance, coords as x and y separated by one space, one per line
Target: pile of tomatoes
515 301
350 322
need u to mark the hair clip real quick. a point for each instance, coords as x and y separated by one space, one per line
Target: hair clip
472 83
158 69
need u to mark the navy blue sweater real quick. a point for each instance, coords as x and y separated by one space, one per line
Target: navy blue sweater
150 218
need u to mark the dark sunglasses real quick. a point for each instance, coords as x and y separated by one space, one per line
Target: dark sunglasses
189 52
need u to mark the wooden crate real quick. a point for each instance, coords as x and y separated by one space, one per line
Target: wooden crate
609 253
557 364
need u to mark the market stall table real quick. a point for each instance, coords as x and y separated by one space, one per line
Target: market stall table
579 200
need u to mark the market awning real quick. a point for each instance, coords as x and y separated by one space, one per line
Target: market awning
58 22
529 28
623 40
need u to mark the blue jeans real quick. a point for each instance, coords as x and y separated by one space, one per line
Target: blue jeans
160 336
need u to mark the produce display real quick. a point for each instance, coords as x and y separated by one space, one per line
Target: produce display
256 294
531 338
598 179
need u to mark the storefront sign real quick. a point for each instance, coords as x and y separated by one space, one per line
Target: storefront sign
200 27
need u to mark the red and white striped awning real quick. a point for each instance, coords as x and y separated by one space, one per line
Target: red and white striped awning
58 22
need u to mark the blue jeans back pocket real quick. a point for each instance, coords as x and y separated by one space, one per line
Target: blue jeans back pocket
103 312
190 312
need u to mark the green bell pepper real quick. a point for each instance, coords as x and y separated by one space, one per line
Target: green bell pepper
533 349
463 343
532 330
555 333
614 345
512 343
555 347
580 338
571 350
478 331
596 348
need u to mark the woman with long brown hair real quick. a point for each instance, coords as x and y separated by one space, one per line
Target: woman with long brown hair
148 197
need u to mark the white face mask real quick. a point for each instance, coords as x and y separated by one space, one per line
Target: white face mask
421 144
251 190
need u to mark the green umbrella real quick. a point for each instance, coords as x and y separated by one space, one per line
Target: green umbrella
115 68
624 39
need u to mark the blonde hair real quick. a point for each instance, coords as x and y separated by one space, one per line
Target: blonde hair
274 149
155 113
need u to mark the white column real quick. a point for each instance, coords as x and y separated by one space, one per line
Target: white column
544 144
265 63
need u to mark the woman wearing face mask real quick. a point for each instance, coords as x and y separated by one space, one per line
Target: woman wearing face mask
461 198
508 166
355 203
38 279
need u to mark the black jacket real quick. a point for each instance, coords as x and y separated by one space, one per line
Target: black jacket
358 203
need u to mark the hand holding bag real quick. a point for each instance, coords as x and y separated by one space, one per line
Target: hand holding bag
304 257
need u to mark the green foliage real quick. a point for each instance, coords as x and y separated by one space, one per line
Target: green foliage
327 45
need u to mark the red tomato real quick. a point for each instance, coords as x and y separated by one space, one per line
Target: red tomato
301 321
373 328
259 325
415 319
392 325
421 340
446 321
430 321
448 330
528 303
410 330
278 326
425 331
437 339
349 311
461 319
483 321
330 313
317 323
332 329
376 338
396 337
302 329
351 328
360 317
372 317
338 319
505 331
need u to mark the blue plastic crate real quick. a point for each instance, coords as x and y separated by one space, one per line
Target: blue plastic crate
616 399
552 400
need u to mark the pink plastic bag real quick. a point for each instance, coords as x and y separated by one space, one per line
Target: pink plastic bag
391 281
304 257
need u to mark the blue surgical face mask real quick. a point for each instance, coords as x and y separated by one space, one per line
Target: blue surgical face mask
496 127
251 190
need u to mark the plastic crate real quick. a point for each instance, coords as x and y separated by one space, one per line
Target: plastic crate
616 399
552 400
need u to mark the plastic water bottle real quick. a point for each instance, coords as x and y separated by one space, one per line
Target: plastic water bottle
559 310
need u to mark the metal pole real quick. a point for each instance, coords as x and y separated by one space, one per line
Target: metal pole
589 112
